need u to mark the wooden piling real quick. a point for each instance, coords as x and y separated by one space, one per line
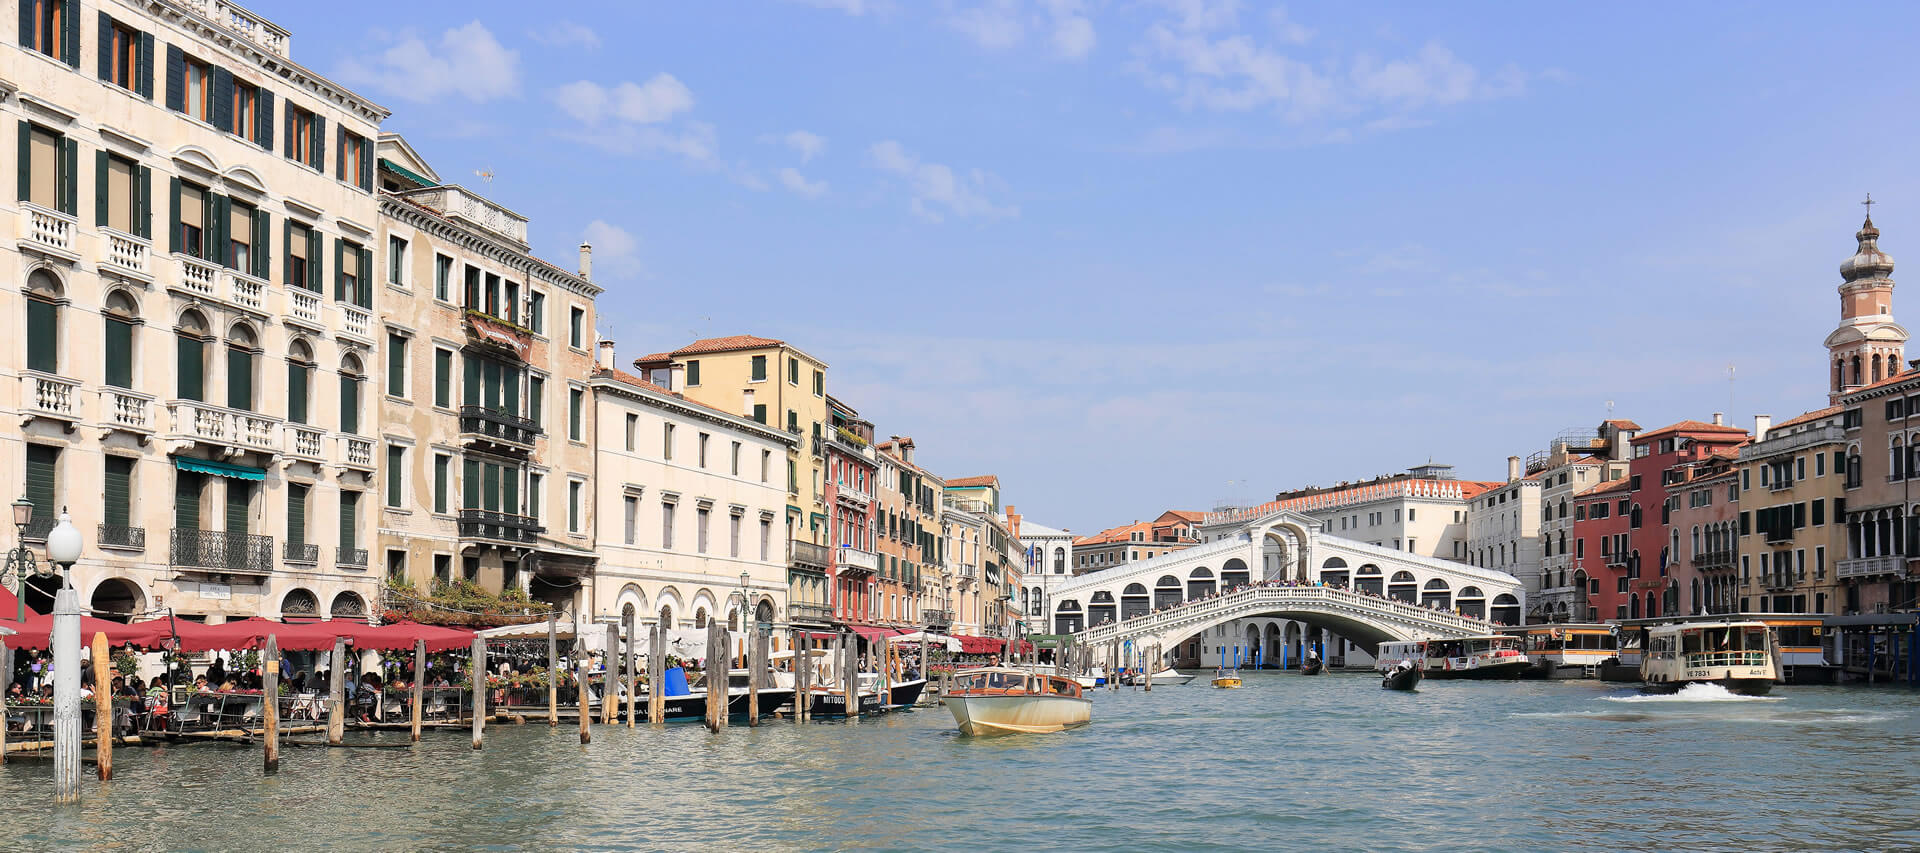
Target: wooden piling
756 658
553 672
337 692
1151 666
850 673
419 688
270 703
633 664
580 667
479 664
610 700
719 652
802 677
657 675
103 706
884 666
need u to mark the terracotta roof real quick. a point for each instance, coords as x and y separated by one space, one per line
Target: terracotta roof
1689 426
1891 380
623 376
1186 515
1815 415
727 344
658 358
1122 533
1622 423
983 480
1470 489
1608 486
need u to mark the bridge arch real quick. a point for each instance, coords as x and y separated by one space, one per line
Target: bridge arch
1284 545
1199 583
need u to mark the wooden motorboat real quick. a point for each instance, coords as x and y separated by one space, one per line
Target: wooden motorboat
1404 675
1003 700
1226 680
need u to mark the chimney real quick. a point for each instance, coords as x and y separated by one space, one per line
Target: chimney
746 408
586 260
677 379
1719 419
606 359
1513 468
1761 424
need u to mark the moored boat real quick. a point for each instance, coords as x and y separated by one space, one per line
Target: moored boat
1168 677
1737 655
1567 650
1003 700
904 694
1404 675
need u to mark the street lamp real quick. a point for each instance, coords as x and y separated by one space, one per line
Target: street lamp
63 550
20 561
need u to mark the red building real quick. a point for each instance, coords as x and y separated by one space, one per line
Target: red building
848 491
1662 461
1600 547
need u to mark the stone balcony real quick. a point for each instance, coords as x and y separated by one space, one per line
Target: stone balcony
47 395
806 555
456 202
128 254
356 453
127 410
49 230
851 560
1863 567
219 425
235 18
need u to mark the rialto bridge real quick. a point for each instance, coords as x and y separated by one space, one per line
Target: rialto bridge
1281 565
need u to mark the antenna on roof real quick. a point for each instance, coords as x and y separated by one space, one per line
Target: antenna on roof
1730 372
485 174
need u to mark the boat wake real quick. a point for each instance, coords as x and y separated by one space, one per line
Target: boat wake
1694 693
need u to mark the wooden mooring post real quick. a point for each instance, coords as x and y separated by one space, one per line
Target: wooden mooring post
609 699
553 672
719 653
756 661
270 704
337 692
582 666
802 677
850 674
1151 664
657 675
479 690
419 687
103 707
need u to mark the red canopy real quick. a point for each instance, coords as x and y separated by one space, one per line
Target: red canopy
34 633
871 633
400 636
990 645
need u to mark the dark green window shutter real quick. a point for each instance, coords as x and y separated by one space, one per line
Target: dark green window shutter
69 177
25 163
176 79
510 490
43 336
349 405
442 377
173 232
223 101
319 146
510 390
693 372
262 244
264 136
26 24
340 152
440 464
239 379
536 398
396 365
296 514
143 202
396 472
349 519
191 365
105 46
239 494
70 44
119 491
470 388
340 270
573 413
119 353
760 412
143 69
297 375
186 500
759 367
366 164
314 266
286 265
364 298
469 484
100 187
490 488
43 463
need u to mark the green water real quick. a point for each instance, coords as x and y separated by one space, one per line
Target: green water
1289 762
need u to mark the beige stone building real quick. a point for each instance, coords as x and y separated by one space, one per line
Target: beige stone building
190 239
486 414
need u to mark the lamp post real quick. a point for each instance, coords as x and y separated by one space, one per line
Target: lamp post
20 560
63 549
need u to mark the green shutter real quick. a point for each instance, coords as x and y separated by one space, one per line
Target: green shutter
191 366
693 372
573 413
315 247
143 68
219 224
536 398
760 412
349 405
100 184
43 336
365 296
70 177
339 270
296 514
262 244
470 388
43 463
143 202
119 353
349 521
186 500
396 365
286 265
119 491
440 464
297 375
25 164
510 389
239 494
239 379
442 377
396 470
490 488
70 43
173 233
510 491
490 381
104 48
469 484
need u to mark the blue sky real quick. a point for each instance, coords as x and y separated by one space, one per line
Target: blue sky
1137 255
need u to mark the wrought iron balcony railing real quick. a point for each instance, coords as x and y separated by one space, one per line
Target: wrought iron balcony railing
498 526
301 552
356 557
122 536
498 426
221 551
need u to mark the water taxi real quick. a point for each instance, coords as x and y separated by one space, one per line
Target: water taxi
1226 680
1003 700
1567 650
1489 656
1739 656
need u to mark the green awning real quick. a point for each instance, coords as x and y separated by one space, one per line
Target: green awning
218 469
407 173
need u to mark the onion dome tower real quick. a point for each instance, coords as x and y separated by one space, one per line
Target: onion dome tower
1867 346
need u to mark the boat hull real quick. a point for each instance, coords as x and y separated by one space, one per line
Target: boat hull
906 693
1742 686
1163 678
991 715
1401 679
1228 683
828 705
1516 669
1312 668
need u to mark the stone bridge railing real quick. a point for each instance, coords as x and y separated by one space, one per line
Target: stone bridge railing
1394 617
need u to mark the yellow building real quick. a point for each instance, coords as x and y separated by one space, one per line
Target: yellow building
1792 531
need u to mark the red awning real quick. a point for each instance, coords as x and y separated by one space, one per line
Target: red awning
981 645
34 633
871 632
400 636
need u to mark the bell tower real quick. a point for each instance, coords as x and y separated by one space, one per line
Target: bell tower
1867 346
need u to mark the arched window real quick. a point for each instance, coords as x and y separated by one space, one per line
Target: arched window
241 349
190 358
299 381
121 314
1059 561
700 618
1856 371
350 379
44 297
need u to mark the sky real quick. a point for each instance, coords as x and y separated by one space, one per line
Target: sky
1149 254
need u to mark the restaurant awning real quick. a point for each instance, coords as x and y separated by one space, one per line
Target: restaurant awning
218 469
871 633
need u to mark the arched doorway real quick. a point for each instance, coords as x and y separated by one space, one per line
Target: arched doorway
1199 583
1333 572
1101 609
115 599
348 605
1133 601
763 614
1472 602
1367 580
1270 654
1290 657
1506 609
1403 587
666 615
1436 594
1234 574
1166 592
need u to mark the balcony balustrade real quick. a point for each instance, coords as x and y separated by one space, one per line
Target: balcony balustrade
305 442
303 305
49 228
356 452
809 555
853 494
197 276
301 552
1862 567
53 396
357 322
498 526
969 573
128 252
482 423
937 618
355 557
262 32
221 551
246 291
122 536
851 560
127 410
809 613
221 425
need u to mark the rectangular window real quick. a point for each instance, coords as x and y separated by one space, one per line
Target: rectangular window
303 137
819 384
199 90
666 441
630 512
760 412
122 196
693 372
766 538
766 465
633 427
246 112
349 523
536 312
396 476
759 370
301 241
736 459
703 449
700 518
573 506
120 55
793 371
666 525
442 377
117 508
470 290
536 398
442 474
52 28
534 482
47 179
240 228
356 163
396 260
297 515
396 365
442 273
733 535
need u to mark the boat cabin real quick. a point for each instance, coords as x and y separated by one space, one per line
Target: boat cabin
1711 645
1498 645
1012 682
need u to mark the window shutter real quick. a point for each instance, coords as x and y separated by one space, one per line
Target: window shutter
100 186
189 365
297 374
349 405
70 43
219 229
239 379
143 202
264 135
469 484
286 265
340 149
339 270
26 24
105 47
290 142
186 500
442 377
43 462
349 508
143 67
119 491
173 233
365 296
119 353
70 177
313 262
470 390
176 79
43 336
440 483
238 491
319 141
366 164
396 470
262 244
222 113
26 157
297 515
396 366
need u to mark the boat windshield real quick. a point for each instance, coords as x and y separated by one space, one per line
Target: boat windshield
1726 638
990 681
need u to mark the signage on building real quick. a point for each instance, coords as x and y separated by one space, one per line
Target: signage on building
216 592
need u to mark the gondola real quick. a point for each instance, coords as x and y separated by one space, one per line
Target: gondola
1404 675
1312 666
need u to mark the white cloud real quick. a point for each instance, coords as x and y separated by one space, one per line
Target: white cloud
657 100
1203 15
1073 35
995 25
693 140
938 190
567 34
614 249
1002 24
809 145
799 185
1432 76
469 62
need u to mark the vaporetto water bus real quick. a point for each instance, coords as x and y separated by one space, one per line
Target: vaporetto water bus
1566 650
1740 656
1489 656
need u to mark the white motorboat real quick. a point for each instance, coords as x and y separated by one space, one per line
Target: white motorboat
1003 700
1168 677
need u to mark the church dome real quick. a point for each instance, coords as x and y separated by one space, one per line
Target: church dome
1868 262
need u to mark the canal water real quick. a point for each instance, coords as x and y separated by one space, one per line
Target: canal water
1289 762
